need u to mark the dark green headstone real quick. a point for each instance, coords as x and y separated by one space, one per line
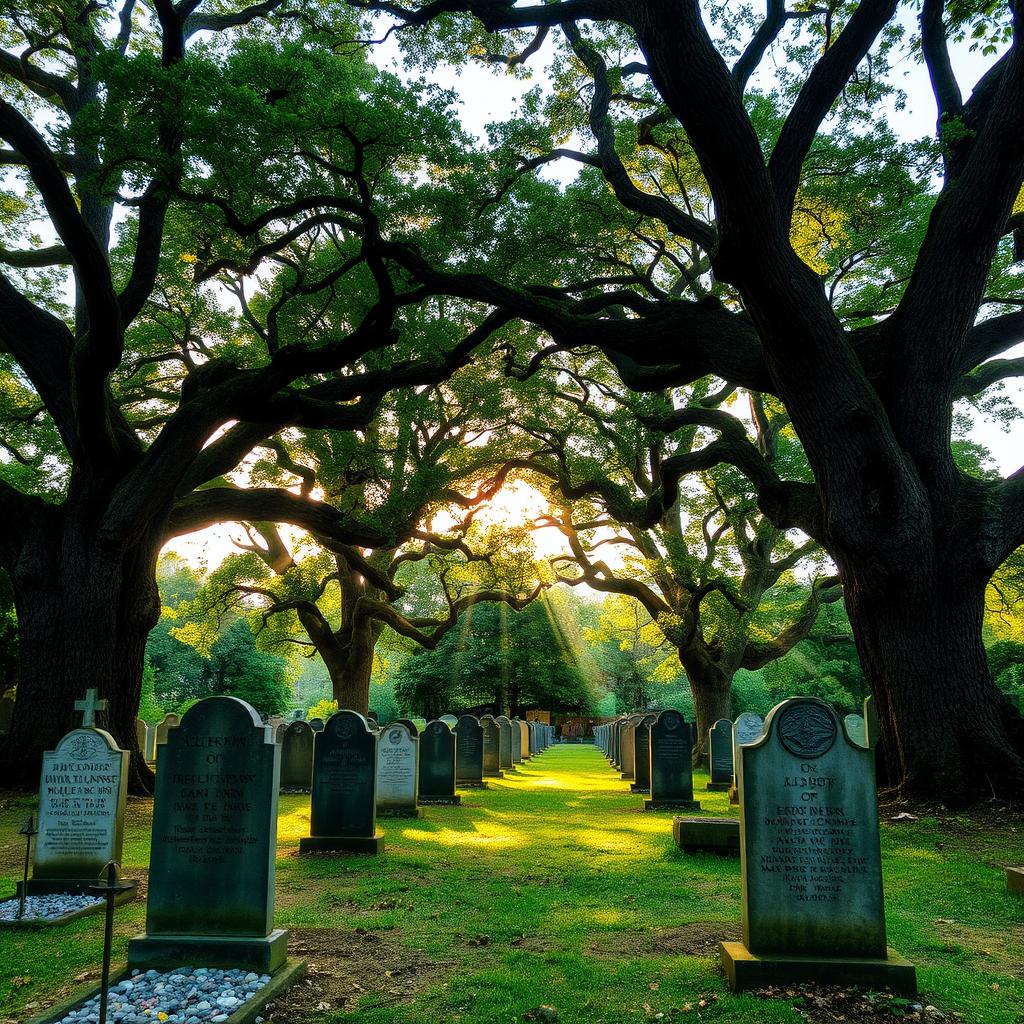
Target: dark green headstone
505 742
642 754
344 778
671 769
720 753
296 755
211 869
437 762
469 751
491 745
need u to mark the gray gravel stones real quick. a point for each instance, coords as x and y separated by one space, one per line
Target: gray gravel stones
48 907
185 995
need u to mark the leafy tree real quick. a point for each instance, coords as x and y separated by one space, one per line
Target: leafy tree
502 658
177 154
758 220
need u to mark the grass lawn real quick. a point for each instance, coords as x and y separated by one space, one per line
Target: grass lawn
555 887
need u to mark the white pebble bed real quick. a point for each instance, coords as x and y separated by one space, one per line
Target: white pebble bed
185 995
48 907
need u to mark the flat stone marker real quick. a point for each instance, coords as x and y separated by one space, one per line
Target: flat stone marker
211 873
343 807
437 764
1015 881
296 741
505 759
642 755
707 835
398 772
491 747
671 768
82 791
856 729
810 858
469 752
720 755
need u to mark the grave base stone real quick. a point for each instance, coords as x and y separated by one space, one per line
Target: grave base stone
746 970
399 812
707 835
265 954
341 844
449 801
1015 880
671 805
719 787
474 785
639 788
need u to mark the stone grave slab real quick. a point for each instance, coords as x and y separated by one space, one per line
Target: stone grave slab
296 739
343 807
671 767
211 876
720 756
398 772
491 747
1015 880
707 835
437 764
469 753
506 761
642 755
811 866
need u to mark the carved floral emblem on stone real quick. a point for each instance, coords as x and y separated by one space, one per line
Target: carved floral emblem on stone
83 747
395 736
671 722
807 730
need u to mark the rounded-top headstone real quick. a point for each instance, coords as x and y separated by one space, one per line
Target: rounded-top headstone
855 729
343 803
748 727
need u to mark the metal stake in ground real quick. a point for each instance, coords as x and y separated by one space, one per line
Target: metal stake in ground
28 830
110 888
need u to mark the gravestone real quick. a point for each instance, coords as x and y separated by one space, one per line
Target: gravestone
142 731
372 718
164 727
409 724
316 724
671 768
517 741
627 740
449 720
491 746
856 730
525 745
297 757
82 791
811 864
642 755
437 764
398 772
343 807
275 722
746 729
211 872
720 755
505 743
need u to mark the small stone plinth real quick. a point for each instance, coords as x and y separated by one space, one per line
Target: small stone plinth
1015 880
746 970
626 776
671 805
734 795
291 972
449 801
719 787
707 835
490 775
399 812
341 844
160 952
639 788
472 785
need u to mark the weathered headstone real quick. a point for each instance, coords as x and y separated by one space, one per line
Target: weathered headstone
164 727
505 740
316 724
855 729
810 858
409 724
671 768
627 739
746 729
398 772
297 756
82 791
142 735
642 755
517 741
525 746
211 874
491 746
450 720
343 807
437 764
469 753
720 755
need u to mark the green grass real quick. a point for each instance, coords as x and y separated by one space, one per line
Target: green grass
553 886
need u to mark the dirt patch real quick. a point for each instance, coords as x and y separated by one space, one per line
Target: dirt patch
829 1004
344 967
698 939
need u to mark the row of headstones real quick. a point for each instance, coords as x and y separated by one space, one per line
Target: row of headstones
211 874
810 855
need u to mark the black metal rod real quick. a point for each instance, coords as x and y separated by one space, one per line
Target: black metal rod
108 939
29 831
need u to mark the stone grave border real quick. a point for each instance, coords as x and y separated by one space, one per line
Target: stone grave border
35 924
290 973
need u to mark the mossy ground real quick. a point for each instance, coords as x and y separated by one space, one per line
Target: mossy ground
555 887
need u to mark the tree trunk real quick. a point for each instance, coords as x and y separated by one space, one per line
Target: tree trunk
949 733
350 666
85 606
711 687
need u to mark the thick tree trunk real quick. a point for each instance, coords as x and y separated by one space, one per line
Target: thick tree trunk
350 666
948 732
85 607
711 687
